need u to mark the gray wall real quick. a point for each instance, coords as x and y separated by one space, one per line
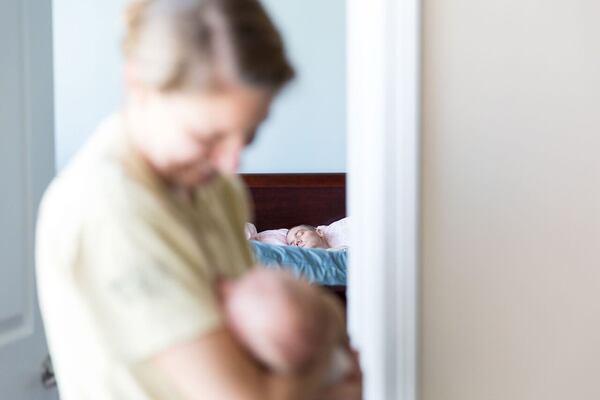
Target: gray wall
307 129
511 200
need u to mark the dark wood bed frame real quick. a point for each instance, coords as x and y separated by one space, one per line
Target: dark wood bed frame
287 200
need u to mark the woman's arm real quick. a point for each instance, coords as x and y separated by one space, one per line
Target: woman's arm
214 366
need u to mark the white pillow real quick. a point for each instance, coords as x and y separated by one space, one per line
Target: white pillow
273 236
337 234
250 231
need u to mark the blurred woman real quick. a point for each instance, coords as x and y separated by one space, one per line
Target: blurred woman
134 232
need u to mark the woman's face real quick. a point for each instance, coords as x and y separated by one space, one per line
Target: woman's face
188 138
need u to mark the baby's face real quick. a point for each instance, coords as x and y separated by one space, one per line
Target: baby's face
306 236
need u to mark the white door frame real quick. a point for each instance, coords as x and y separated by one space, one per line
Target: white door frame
384 115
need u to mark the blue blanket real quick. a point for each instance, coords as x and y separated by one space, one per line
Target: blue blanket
328 268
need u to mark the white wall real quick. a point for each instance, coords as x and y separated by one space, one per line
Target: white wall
306 132
511 209
87 69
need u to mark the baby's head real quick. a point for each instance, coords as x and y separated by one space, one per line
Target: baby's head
306 236
276 316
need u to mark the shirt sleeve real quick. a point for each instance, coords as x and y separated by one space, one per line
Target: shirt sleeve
144 295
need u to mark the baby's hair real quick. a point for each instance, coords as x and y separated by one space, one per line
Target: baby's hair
309 227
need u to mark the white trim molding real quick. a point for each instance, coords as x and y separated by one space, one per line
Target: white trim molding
384 114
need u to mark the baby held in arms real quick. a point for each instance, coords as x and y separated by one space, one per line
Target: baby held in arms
286 323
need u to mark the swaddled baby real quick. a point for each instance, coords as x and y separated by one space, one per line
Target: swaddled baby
284 322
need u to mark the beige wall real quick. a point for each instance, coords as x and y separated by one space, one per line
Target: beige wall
511 229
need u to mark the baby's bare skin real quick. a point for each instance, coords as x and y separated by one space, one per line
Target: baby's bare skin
284 322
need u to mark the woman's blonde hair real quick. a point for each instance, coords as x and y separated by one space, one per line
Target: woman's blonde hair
190 44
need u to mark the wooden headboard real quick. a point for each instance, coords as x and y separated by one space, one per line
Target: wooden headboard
287 200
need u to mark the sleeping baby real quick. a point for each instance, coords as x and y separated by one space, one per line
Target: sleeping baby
309 237
285 322
331 237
